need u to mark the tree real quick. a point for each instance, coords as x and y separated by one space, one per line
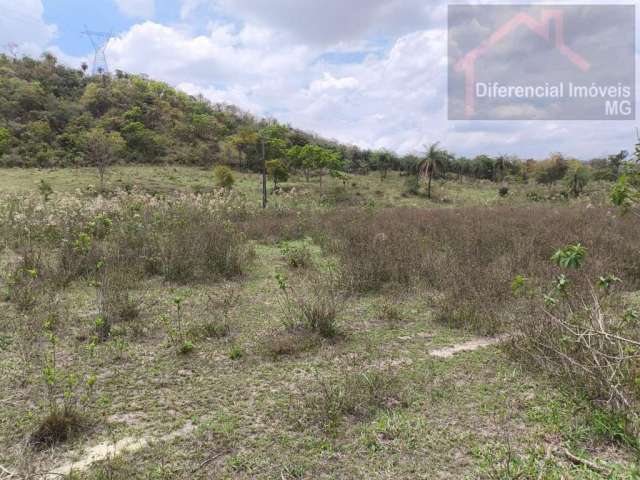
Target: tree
577 177
434 159
484 167
616 162
5 141
383 161
96 99
626 192
278 171
552 170
314 158
246 140
103 148
223 176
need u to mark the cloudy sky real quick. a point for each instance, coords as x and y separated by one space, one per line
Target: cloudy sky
368 72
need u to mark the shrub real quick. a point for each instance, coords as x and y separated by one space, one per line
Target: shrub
25 283
115 300
186 347
316 310
503 192
288 343
297 256
470 256
218 323
66 392
215 329
236 352
191 244
56 427
388 312
358 394
223 177
376 249
45 189
591 344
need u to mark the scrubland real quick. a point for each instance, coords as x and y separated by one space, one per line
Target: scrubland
187 333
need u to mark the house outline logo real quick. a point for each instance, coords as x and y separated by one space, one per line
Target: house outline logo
542 28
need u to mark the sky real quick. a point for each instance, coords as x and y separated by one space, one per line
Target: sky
367 72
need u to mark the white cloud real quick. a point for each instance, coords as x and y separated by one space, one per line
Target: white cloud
283 58
21 23
395 99
137 8
330 22
329 82
224 55
240 97
190 6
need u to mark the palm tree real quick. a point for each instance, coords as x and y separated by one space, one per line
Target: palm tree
427 167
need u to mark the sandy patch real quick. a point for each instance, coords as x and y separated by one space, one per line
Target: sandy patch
469 346
105 450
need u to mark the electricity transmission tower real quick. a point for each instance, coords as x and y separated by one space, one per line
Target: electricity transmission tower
12 48
100 42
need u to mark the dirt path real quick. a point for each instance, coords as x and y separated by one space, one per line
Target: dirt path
105 450
469 346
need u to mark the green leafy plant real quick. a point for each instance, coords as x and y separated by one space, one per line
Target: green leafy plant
278 172
236 352
571 256
174 325
590 344
519 285
606 283
66 393
45 189
186 347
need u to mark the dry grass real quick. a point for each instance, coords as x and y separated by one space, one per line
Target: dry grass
471 256
57 427
355 411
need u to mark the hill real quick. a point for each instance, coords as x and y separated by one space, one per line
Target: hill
46 109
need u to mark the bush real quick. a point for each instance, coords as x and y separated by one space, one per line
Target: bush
236 352
470 256
356 394
57 427
25 283
376 249
592 344
190 244
503 192
288 343
315 310
223 177
388 312
218 323
297 256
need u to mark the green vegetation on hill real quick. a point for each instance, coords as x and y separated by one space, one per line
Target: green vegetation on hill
52 115
47 112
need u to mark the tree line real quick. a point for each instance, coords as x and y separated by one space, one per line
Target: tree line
53 116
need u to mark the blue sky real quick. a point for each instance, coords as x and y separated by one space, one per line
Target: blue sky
368 72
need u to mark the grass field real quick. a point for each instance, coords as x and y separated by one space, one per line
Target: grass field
358 190
253 401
